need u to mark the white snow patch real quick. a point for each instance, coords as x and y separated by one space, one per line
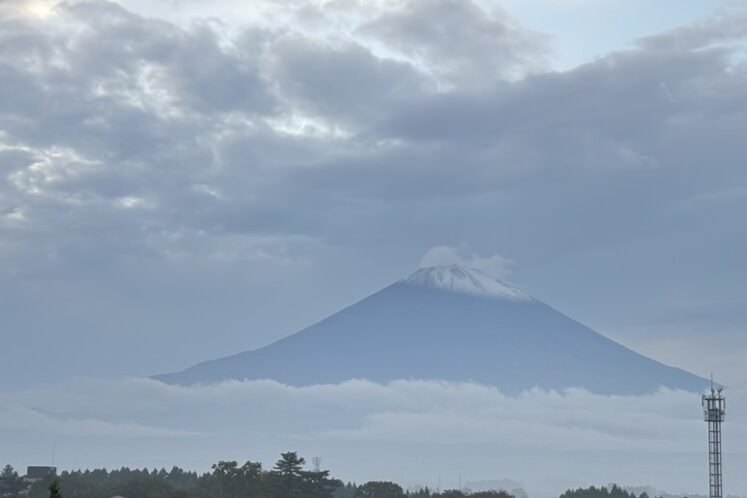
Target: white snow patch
463 280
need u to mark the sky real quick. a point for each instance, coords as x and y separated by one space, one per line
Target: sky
184 180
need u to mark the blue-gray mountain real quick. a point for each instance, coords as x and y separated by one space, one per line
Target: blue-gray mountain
453 324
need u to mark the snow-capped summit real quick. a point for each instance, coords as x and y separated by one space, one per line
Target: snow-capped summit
464 280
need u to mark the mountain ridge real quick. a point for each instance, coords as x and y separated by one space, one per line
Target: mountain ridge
448 323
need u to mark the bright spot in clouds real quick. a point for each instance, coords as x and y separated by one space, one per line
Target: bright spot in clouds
28 8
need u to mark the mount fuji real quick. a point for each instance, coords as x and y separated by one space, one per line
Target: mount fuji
455 324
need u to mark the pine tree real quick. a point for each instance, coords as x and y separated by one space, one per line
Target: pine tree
54 489
288 476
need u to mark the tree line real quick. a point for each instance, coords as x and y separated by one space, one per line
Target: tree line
613 491
228 479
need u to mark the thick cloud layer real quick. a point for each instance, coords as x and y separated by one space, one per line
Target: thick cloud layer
409 431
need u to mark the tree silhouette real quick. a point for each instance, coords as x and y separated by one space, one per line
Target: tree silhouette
11 484
288 476
54 489
380 489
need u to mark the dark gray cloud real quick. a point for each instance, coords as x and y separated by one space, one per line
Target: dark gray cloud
343 84
725 26
169 193
460 42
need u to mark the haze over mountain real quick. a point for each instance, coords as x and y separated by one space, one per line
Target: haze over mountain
449 323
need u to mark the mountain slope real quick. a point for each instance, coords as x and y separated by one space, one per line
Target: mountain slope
454 324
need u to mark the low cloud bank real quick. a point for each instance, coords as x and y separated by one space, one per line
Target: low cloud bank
411 431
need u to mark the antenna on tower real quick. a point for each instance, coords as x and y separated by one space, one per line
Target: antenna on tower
714 412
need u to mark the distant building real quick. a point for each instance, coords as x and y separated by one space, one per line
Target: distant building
34 473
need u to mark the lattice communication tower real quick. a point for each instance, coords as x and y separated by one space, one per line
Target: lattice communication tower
714 412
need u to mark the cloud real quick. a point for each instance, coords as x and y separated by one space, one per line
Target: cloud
495 265
725 26
431 33
20 419
375 412
27 8
348 421
341 82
